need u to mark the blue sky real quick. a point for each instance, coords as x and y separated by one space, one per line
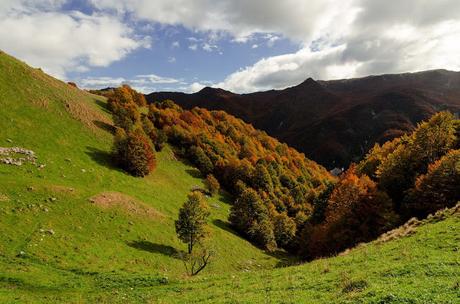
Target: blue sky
239 45
189 57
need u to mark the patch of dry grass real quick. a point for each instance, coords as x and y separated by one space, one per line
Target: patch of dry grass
124 202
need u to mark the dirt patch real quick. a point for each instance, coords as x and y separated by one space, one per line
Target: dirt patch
125 202
4 198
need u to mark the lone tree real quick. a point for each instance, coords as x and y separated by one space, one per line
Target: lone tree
191 224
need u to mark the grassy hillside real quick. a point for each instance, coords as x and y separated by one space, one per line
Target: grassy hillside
74 229
52 232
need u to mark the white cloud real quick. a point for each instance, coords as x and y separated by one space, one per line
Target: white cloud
254 46
336 38
60 42
195 87
296 19
154 79
209 47
101 82
285 70
172 59
376 38
271 39
142 83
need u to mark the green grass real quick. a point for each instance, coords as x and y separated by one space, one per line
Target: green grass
56 246
87 238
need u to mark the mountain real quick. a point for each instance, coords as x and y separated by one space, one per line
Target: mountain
336 122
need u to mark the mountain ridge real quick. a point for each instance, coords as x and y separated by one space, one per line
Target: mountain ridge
351 114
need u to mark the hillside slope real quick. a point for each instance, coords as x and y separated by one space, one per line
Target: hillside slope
417 263
71 214
336 122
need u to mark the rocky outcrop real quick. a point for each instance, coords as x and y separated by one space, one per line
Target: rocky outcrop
17 156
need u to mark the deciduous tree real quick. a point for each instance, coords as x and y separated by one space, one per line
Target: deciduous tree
192 221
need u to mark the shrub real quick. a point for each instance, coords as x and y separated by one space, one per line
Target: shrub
134 152
212 184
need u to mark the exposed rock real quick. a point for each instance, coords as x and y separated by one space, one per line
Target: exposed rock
17 156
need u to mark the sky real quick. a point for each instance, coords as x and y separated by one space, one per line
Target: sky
239 45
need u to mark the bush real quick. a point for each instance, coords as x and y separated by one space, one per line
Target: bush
134 152
212 184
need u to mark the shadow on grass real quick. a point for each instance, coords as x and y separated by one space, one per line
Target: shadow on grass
104 126
156 248
225 197
225 226
284 258
102 157
103 105
194 173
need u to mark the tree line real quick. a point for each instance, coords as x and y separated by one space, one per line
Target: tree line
281 199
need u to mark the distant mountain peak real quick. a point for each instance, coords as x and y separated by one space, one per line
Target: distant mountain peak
213 91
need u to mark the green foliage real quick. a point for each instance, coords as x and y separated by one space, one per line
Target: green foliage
375 157
239 156
160 140
261 179
192 221
100 250
102 255
201 160
438 188
249 214
284 229
320 204
430 141
125 116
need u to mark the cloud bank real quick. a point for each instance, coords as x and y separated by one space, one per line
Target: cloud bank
62 42
336 38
